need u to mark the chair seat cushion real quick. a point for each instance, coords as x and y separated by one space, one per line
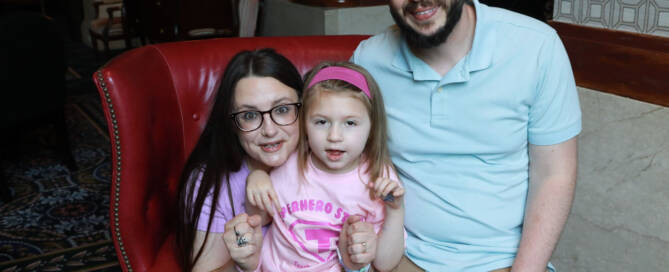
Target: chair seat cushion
98 25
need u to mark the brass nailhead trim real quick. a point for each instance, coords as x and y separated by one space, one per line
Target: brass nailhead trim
117 193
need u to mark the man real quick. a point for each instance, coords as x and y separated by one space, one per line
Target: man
483 116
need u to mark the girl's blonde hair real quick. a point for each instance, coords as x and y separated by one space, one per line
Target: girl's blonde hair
375 153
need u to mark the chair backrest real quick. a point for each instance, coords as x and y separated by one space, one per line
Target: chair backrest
100 8
156 101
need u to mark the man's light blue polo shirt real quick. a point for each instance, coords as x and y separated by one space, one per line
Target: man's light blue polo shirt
460 142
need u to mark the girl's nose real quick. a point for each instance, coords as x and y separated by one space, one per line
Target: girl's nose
334 134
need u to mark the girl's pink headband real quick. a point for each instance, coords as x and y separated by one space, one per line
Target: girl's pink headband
342 73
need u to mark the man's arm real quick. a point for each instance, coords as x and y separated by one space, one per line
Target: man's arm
551 191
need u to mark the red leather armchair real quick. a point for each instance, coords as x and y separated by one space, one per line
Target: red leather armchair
157 100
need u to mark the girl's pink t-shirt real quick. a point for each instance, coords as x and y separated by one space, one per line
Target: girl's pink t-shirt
305 230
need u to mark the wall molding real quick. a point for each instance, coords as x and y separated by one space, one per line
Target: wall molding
623 63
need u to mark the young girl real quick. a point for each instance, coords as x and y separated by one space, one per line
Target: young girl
342 168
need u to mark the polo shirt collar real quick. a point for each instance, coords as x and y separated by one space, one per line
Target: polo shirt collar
483 46
479 57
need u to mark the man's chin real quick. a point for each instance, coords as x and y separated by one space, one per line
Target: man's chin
420 41
417 40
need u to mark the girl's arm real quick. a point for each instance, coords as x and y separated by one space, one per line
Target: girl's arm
261 198
390 242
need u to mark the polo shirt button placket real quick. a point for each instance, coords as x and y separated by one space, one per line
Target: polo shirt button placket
438 111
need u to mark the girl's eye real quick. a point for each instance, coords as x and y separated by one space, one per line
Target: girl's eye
351 123
320 122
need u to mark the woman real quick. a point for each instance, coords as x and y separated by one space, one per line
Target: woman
251 126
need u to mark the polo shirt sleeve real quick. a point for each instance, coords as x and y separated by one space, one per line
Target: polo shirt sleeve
354 56
555 114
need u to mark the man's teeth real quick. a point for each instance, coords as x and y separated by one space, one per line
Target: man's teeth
424 12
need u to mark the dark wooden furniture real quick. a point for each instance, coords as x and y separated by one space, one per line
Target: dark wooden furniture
176 20
341 3
623 63
32 72
110 28
541 10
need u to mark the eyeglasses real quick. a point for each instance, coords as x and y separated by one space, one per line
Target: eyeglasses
281 115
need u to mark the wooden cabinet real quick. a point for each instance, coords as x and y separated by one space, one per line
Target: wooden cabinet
174 20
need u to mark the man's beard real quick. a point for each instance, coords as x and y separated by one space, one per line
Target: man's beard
419 41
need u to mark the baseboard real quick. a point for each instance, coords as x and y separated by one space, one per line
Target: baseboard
618 62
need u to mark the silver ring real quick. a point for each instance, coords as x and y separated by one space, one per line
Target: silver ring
242 241
236 232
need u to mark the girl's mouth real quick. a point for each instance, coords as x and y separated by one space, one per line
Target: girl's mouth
334 155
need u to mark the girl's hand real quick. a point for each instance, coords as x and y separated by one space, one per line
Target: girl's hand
390 191
357 243
243 238
260 192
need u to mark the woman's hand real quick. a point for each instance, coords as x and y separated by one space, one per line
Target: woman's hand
390 191
260 192
357 243
243 238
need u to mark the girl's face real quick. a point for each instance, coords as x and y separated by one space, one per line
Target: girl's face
337 128
271 144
